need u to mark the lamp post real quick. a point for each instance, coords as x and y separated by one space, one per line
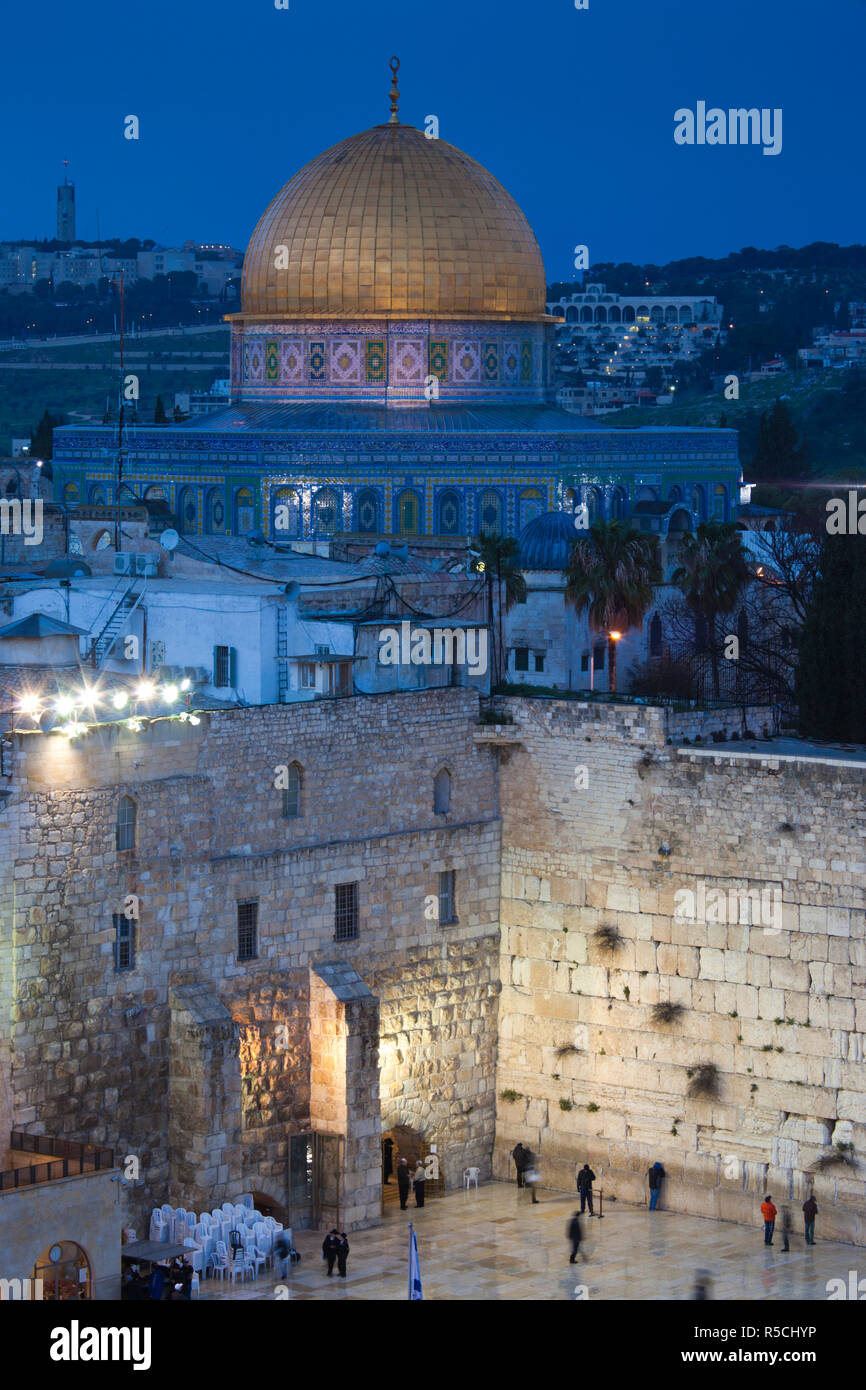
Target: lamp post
612 638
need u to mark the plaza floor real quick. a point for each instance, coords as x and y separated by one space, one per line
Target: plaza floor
494 1245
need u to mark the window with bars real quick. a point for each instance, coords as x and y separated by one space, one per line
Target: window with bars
225 667
248 930
447 897
125 827
539 661
521 658
345 911
124 941
292 792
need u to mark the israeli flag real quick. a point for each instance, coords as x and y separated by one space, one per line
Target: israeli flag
415 1290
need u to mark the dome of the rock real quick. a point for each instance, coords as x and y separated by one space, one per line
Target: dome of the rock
391 224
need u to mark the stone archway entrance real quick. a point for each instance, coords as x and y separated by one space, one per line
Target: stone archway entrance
410 1144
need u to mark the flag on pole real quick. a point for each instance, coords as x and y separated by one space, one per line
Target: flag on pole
415 1290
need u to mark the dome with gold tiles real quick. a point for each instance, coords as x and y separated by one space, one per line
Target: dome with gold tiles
391 224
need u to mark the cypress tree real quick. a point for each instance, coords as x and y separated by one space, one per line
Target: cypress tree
831 676
778 455
159 415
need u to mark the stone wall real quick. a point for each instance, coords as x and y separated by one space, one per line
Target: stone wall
84 1209
607 825
100 1056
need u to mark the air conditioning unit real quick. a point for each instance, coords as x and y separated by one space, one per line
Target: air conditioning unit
123 564
146 564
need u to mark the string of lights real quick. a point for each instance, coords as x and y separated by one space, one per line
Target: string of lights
72 707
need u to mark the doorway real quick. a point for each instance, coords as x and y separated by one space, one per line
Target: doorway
408 1143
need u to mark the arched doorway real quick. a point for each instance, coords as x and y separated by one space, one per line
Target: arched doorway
410 1144
65 1272
269 1206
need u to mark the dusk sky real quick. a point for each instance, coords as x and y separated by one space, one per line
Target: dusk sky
572 110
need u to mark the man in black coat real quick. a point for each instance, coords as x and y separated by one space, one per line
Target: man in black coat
330 1249
342 1254
585 1179
520 1155
404 1182
575 1235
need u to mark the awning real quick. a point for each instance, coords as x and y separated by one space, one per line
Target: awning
152 1250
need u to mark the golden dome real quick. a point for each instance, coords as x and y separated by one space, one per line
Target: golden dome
389 224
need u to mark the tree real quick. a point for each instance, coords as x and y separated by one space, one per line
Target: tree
711 577
610 577
159 415
831 676
42 438
499 558
654 379
778 455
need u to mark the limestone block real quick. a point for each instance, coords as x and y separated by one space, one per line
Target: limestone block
590 979
712 964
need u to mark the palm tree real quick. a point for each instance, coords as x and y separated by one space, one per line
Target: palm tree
498 563
711 577
610 577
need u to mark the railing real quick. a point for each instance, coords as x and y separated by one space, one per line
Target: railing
68 1160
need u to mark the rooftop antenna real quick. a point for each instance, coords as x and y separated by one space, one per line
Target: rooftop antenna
395 91
117 533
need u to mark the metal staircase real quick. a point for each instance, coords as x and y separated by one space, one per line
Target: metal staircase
122 603
282 654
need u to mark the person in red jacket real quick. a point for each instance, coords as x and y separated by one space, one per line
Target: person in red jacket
768 1211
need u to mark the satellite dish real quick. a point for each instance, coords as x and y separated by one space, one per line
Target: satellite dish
292 589
383 550
169 539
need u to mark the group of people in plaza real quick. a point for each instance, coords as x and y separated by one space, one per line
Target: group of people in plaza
769 1212
335 1248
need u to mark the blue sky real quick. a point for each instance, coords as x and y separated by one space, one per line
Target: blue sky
572 110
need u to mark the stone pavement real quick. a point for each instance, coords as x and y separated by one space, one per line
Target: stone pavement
495 1245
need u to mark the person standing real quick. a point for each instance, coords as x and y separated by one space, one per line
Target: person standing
418 1184
575 1235
585 1179
330 1246
786 1227
282 1250
404 1182
769 1213
655 1177
531 1175
518 1153
387 1159
810 1211
342 1254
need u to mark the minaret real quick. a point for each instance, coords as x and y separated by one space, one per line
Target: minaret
394 65
66 208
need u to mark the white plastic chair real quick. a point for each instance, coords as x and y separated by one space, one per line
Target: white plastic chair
221 1262
246 1200
195 1287
470 1175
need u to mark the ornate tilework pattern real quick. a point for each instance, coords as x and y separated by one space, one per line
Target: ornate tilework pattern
345 356
375 352
317 361
407 361
510 361
246 361
437 359
491 362
272 359
525 361
466 363
292 360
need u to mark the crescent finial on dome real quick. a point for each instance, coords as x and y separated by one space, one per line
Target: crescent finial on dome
395 91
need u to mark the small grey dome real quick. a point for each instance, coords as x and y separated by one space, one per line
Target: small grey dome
547 541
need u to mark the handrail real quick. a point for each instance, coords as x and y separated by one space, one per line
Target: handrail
129 613
68 1159
124 578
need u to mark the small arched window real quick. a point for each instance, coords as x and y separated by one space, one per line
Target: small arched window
442 792
125 828
292 792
